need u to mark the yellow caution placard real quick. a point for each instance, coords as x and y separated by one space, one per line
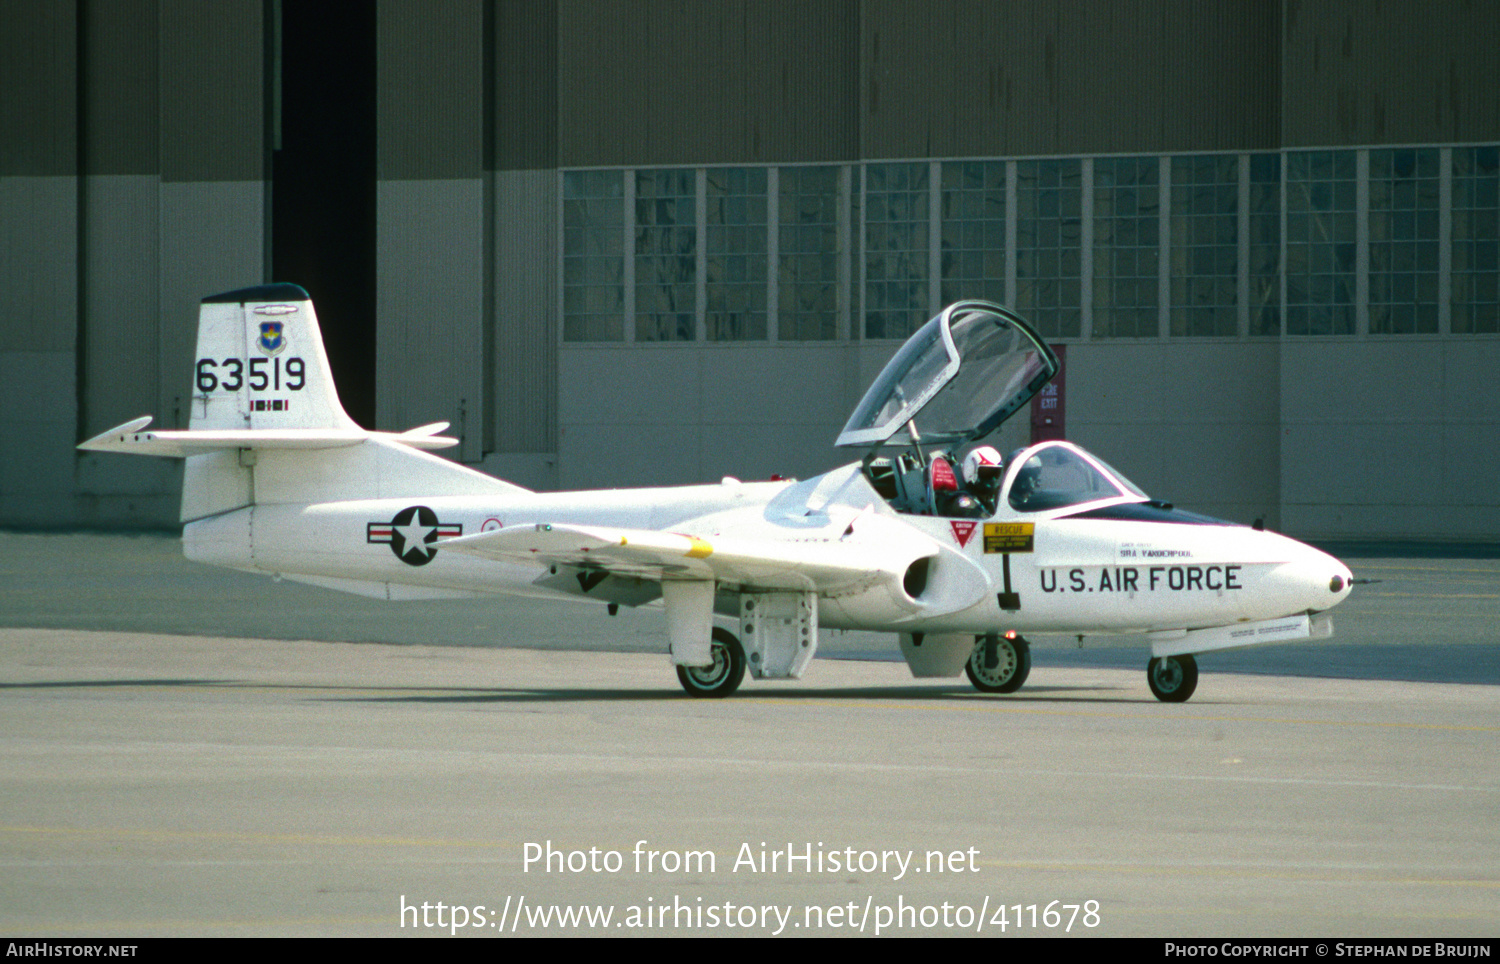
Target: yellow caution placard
1009 536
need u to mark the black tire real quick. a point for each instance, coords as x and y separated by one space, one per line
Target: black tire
1012 665
723 676
1172 678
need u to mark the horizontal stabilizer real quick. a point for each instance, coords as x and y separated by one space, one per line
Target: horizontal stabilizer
131 439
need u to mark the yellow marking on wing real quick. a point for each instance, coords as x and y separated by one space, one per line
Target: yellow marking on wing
699 549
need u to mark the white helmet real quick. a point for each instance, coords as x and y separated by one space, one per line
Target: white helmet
982 467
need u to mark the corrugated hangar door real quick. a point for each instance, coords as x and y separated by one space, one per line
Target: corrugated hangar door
430 220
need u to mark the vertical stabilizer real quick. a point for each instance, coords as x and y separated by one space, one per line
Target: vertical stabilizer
261 364
267 427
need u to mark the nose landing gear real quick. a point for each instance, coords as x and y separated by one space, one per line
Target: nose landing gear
1172 678
999 664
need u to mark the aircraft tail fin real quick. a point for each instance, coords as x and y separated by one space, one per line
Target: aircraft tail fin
267 425
261 364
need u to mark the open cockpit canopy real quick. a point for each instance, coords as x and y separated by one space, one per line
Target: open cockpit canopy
957 379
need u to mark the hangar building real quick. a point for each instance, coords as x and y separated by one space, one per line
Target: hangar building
624 243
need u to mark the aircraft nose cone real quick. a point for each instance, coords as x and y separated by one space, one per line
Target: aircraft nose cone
1308 580
1329 579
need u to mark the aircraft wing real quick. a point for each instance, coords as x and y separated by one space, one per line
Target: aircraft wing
826 567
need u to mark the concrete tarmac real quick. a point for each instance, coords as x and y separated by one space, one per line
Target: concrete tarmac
163 774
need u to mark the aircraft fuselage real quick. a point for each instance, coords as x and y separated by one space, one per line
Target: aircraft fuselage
1011 571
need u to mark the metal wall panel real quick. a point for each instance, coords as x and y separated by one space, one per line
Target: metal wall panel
430 307
670 417
120 374
995 95
525 79
38 263
36 474
119 125
598 94
212 91
1339 479
119 229
803 80
1236 47
430 118
1092 63
963 78
1027 55
38 89
525 319
1390 73
121 251
689 82
431 292
906 105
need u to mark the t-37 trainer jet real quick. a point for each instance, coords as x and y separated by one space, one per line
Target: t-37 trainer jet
931 535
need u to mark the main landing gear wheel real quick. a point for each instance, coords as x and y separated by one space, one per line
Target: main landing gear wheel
721 677
999 664
1172 678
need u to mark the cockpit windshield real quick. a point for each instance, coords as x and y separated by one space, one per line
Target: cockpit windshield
957 379
1055 476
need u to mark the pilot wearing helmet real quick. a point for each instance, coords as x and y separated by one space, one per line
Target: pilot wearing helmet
982 471
1027 485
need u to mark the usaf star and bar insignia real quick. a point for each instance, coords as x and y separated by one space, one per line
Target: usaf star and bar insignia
413 534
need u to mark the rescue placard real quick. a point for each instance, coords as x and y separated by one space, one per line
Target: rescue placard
1008 536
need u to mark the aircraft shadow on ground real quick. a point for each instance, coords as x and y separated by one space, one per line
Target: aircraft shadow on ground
858 693
353 693
98 683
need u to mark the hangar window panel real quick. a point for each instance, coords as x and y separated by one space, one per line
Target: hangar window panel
973 231
1127 247
1205 249
735 254
1049 233
1476 240
1321 242
1404 218
1264 219
897 213
807 290
666 251
593 226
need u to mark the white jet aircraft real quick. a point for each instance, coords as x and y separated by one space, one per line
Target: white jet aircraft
280 481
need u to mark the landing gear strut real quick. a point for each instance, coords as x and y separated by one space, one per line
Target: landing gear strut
1172 678
721 677
999 664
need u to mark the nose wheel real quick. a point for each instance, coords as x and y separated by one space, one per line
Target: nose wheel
1172 678
999 664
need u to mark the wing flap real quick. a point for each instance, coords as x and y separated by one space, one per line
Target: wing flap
644 553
